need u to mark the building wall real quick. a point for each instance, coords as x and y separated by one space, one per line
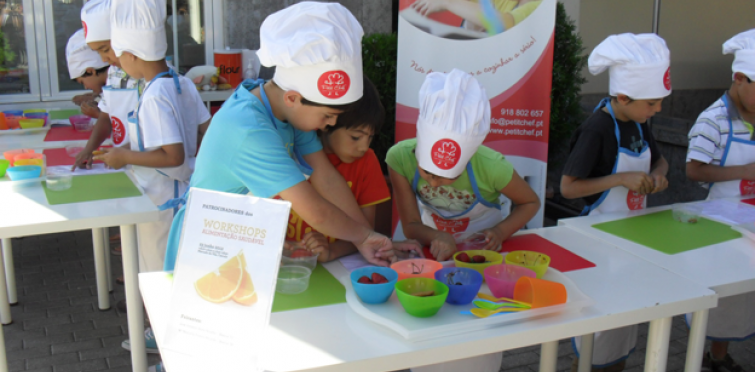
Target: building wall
244 17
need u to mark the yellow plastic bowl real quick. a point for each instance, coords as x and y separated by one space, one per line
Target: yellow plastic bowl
491 258
31 123
534 261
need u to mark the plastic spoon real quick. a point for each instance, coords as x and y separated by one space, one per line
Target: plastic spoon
484 304
501 299
484 313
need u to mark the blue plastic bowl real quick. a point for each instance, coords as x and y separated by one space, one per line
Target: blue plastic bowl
374 293
463 284
24 172
14 112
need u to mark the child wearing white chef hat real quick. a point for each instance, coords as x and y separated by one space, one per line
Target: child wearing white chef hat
86 68
446 182
263 139
614 161
721 157
119 95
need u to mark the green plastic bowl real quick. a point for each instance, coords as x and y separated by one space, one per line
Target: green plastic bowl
4 164
421 307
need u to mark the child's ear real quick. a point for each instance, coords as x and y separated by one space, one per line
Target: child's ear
90 71
623 99
740 77
291 98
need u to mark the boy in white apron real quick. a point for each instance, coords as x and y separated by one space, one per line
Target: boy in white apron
721 156
84 65
445 182
120 94
614 161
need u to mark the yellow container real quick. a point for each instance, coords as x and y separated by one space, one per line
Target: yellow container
35 111
21 162
534 261
491 258
31 123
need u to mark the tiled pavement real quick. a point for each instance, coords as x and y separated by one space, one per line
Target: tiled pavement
57 326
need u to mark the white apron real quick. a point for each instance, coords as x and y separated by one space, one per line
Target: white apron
479 216
615 345
734 318
120 103
161 185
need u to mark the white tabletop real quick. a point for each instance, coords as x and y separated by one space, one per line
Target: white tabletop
26 211
728 267
627 290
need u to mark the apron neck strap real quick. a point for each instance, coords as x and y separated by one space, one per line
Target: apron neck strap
266 102
606 102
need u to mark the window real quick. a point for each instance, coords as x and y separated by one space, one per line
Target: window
34 34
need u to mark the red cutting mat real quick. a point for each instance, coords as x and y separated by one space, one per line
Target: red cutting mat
749 201
66 133
562 259
59 157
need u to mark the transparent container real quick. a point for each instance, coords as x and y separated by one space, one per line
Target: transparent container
686 213
290 258
293 279
59 180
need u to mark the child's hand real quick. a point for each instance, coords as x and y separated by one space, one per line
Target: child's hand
443 247
494 239
83 160
315 242
660 182
113 157
426 7
410 245
90 109
81 98
639 182
377 249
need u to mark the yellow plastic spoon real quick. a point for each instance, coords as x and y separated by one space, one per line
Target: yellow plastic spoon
499 299
484 313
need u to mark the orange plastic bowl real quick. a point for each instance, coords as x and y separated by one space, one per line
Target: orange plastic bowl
416 268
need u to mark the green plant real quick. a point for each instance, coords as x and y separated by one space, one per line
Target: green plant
568 62
379 52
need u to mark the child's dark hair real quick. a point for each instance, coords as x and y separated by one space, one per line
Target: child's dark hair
96 72
368 112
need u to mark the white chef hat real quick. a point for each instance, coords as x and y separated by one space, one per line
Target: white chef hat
316 49
638 65
138 27
80 56
743 47
95 18
454 118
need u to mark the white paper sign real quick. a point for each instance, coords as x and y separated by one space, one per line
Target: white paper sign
224 281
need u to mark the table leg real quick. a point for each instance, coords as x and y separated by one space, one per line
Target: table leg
5 316
585 352
106 242
3 357
548 356
10 271
134 304
103 295
696 341
656 355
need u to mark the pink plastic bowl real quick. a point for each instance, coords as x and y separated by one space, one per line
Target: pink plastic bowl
502 278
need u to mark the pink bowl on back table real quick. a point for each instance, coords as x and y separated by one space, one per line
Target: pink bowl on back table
502 278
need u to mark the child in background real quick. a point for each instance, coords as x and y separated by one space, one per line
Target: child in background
120 94
446 181
721 157
86 68
614 161
347 145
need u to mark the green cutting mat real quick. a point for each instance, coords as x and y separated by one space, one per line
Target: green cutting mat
94 187
324 289
63 114
660 231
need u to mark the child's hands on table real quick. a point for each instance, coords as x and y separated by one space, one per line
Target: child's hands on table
639 182
660 182
113 157
83 160
377 249
443 246
493 238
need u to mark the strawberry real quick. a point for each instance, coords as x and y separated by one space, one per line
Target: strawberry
298 253
364 280
463 257
378 279
478 259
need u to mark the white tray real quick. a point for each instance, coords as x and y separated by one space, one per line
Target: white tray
25 131
448 321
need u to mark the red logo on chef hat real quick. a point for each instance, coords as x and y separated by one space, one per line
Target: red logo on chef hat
84 24
667 79
334 84
635 200
119 131
747 187
445 153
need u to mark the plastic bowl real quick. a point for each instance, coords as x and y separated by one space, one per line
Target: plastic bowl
37 162
4 164
686 213
534 261
463 284
34 111
12 121
24 172
476 241
81 123
59 180
309 262
416 268
11 154
491 258
421 307
502 278
374 293
31 123
293 279
14 112
73 151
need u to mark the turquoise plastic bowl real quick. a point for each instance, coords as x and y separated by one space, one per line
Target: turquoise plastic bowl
374 293
24 172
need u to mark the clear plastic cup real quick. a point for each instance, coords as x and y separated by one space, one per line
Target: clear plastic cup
293 279
59 180
686 213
